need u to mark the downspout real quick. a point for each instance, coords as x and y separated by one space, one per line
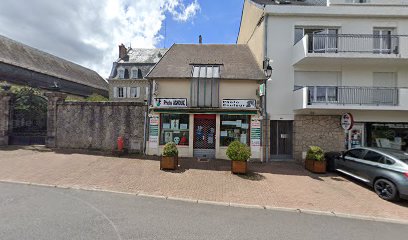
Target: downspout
146 122
265 117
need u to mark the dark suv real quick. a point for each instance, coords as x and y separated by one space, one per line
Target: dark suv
386 170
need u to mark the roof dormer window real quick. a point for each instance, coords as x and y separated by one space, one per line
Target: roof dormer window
205 71
134 73
121 73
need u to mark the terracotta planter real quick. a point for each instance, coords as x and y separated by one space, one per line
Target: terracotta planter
239 167
169 163
315 166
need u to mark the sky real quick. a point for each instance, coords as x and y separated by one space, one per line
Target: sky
88 32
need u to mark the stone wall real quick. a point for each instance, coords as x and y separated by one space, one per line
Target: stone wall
97 125
4 117
322 131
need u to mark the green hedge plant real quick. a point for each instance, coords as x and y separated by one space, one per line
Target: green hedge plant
238 151
170 150
315 153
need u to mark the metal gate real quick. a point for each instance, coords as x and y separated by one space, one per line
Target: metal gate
204 135
28 125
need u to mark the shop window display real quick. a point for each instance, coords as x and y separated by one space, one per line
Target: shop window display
388 135
174 128
234 127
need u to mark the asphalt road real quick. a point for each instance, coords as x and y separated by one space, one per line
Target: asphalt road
32 212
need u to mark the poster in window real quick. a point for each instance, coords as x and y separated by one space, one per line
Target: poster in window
175 124
168 137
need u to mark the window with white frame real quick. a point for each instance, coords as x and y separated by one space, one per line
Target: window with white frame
135 92
121 92
134 73
321 40
121 73
383 40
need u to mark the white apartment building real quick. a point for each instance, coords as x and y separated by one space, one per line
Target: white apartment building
330 58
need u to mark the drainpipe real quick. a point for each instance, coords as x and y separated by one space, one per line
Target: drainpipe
265 116
146 122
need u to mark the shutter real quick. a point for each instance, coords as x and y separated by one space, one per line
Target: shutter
208 92
215 93
201 92
127 95
137 92
194 90
115 92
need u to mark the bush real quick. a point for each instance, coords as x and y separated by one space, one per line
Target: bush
315 153
170 150
238 151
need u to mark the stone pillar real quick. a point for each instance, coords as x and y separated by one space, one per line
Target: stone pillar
4 117
54 98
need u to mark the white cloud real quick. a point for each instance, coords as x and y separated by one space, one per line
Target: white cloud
88 32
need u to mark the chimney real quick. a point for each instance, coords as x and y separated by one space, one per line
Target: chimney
200 39
122 51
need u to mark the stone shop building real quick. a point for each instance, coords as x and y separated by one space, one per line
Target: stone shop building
204 97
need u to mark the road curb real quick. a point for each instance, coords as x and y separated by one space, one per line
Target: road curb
225 204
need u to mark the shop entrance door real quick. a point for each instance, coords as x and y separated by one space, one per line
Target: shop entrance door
281 139
204 135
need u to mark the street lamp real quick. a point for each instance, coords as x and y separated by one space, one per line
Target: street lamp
268 73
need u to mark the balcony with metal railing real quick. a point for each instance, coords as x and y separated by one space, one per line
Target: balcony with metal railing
342 97
317 48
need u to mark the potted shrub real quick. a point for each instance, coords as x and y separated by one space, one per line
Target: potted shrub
239 154
315 161
169 159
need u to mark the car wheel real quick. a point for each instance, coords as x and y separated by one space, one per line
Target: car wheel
386 190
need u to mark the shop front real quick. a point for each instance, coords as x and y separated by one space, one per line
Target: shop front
204 133
381 134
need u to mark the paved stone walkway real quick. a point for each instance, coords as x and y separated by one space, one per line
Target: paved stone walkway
279 184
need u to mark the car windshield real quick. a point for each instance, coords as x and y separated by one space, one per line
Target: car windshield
401 155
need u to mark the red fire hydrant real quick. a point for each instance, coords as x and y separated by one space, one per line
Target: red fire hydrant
120 144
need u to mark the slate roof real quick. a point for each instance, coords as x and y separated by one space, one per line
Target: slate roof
237 61
292 2
143 55
20 55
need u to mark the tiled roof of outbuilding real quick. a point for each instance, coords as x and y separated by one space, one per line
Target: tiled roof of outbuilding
20 55
237 61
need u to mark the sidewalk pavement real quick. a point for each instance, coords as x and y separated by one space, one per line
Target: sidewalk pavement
277 184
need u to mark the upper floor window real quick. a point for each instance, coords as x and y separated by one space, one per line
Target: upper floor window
205 71
134 73
135 92
384 42
121 73
321 40
205 86
119 92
